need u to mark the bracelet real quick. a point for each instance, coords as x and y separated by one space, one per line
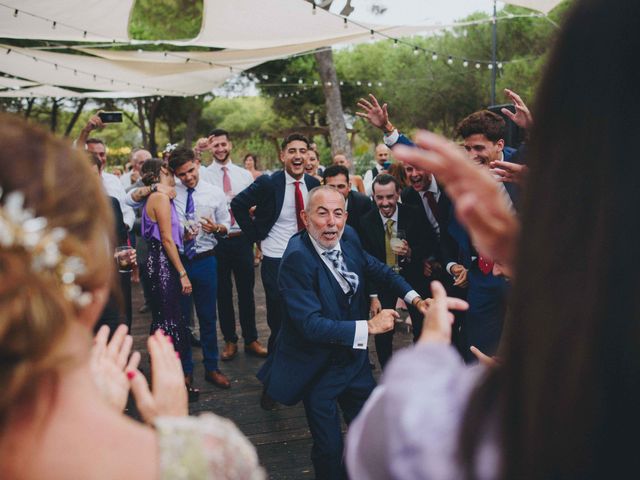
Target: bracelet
388 128
183 274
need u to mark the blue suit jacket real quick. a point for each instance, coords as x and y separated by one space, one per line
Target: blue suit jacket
319 321
266 193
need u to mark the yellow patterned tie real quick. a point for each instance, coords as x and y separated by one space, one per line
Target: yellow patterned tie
391 257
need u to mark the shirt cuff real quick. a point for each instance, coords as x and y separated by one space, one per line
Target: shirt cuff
373 295
361 336
390 139
449 266
409 297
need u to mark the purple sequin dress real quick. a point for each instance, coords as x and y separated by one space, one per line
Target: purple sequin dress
166 290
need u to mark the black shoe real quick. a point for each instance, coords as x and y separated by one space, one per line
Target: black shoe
266 402
192 392
144 308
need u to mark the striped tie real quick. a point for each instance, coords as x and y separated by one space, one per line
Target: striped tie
338 262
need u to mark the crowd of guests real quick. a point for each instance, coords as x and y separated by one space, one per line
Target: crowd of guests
461 234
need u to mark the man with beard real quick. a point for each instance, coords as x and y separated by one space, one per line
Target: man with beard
321 354
234 253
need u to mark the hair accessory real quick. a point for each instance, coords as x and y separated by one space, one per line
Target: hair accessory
20 228
170 147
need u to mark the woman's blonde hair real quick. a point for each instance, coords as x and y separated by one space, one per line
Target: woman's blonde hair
57 184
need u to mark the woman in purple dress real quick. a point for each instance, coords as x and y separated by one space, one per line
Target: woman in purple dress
162 230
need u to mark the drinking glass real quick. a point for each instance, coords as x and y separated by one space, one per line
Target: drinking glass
396 242
124 258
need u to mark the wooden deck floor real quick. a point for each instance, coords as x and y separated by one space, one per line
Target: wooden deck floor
281 437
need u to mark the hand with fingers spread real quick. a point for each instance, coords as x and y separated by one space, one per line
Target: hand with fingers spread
438 318
375 114
108 363
169 395
509 172
479 204
522 117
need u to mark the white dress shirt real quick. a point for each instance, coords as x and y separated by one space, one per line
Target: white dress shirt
204 195
368 179
287 223
362 328
240 179
115 189
125 179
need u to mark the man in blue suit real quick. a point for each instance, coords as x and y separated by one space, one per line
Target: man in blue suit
279 200
321 353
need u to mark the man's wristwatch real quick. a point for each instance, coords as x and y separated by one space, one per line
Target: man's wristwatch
154 188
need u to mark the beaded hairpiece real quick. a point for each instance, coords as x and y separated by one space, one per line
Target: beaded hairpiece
20 228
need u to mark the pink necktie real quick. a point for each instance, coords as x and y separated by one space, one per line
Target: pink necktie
226 186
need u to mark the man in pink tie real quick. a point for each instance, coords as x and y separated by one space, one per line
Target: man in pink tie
234 253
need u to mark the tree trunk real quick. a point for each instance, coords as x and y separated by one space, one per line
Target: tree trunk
192 121
75 117
27 112
54 114
333 102
142 124
152 116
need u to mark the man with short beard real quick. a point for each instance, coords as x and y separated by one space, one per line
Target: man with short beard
321 354
234 253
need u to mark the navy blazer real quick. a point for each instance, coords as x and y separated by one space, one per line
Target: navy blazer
423 244
319 321
266 193
358 204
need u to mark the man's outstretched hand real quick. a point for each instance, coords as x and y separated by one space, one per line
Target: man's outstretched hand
375 114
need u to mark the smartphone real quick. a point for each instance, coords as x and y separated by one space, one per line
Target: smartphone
110 117
386 165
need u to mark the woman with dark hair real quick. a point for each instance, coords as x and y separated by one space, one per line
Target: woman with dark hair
564 402
168 279
250 163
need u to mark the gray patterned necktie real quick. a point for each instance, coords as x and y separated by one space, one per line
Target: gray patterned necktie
339 264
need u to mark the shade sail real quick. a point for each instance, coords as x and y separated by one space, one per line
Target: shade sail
102 20
40 91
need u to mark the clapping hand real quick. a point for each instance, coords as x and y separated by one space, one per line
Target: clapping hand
169 395
438 318
108 363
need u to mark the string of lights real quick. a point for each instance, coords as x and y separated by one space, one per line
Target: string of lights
94 76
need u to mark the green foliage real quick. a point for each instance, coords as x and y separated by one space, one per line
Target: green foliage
165 19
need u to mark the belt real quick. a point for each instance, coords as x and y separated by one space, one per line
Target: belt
199 256
234 234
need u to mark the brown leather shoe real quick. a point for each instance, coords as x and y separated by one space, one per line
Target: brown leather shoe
255 348
218 378
230 351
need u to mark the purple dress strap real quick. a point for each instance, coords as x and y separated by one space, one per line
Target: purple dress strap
151 229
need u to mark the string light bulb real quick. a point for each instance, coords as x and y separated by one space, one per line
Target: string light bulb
313 10
490 66
434 56
373 34
465 63
416 50
53 25
15 13
478 66
450 60
346 23
395 43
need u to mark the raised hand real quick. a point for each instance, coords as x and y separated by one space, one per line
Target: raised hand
522 117
479 204
438 318
108 363
375 114
169 395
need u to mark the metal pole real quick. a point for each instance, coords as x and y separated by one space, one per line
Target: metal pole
494 48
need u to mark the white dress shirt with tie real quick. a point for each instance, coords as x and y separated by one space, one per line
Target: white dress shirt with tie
287 223
239 177
204 195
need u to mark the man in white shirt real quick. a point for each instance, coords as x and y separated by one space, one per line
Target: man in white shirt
137 157
234 253
381 157
110 182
